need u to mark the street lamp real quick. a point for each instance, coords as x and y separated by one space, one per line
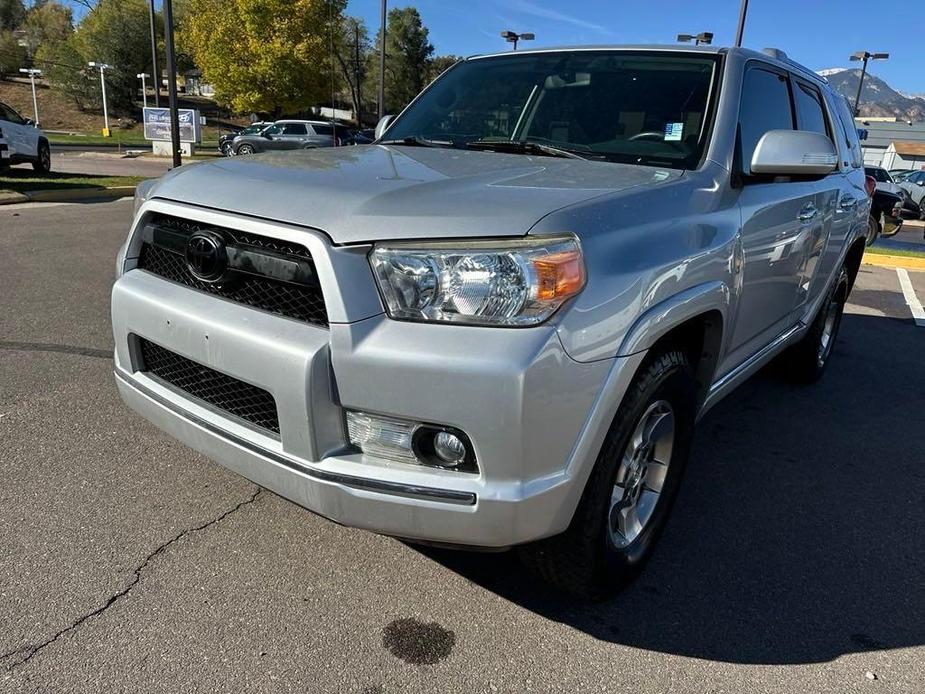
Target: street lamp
144 91
103 67
382 19
704 37
865 56
513 37
32 72
740 30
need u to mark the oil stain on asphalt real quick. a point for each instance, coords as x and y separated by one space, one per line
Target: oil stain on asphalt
416 642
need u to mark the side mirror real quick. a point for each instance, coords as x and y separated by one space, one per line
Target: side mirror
920 182
382 125
794 153
31 122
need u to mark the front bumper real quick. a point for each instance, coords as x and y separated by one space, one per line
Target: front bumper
535 417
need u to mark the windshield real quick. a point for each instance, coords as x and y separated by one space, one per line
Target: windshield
642 108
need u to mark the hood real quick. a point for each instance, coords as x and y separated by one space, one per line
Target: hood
376 192
890 188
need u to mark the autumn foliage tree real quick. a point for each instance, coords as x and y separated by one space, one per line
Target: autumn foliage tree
264 55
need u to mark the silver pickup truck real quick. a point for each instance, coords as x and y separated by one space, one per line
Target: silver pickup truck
498 325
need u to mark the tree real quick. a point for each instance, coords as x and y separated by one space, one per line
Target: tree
351 48
65 69
47 22
12 14
12 55
264 55
408 52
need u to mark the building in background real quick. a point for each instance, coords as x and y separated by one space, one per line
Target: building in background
888 138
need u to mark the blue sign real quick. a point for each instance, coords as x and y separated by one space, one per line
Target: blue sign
157 124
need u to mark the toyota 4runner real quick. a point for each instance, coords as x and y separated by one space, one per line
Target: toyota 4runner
498 325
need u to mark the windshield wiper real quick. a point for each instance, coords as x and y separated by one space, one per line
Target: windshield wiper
417 141
524 147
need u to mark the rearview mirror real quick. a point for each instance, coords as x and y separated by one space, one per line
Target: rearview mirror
382 125
794 153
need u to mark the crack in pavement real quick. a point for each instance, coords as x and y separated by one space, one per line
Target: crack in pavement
31 651
52 347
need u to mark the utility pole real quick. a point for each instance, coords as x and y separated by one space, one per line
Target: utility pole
157 75
103 67
357 77
172 83
743 10
144 91
32 72
865 56
382 61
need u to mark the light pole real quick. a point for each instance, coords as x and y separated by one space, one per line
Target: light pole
740 31
32 72
144 91
513 37
172 82
103 67
157 75
382 61
865 56
704 37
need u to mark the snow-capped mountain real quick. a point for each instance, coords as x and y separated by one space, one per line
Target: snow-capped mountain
878 99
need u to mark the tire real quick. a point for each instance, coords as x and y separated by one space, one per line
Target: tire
42 163
805 361
596 555
873 229
245 149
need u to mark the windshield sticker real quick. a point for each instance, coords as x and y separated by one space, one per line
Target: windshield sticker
673 131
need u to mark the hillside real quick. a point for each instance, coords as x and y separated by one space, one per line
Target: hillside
878 99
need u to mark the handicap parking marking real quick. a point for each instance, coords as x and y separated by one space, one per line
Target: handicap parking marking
918 313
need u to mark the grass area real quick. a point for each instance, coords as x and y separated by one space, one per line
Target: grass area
22 181
904 252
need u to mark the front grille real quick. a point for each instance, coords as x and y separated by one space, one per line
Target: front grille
298 297
250 403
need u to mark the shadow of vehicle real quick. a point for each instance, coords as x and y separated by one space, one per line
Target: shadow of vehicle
799 532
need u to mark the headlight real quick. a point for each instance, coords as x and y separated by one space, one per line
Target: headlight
142 191
513 283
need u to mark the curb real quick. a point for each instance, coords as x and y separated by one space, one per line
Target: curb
73 195
902 261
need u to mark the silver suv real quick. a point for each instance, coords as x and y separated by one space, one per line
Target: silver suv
499 325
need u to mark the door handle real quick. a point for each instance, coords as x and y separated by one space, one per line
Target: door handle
807 212
848 203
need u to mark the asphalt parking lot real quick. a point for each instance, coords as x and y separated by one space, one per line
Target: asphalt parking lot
794 560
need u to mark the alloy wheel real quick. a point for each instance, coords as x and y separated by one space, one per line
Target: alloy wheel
641 474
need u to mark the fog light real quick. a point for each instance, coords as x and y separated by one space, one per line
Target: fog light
415 443
449 448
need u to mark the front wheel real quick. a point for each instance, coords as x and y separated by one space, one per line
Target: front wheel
632 487
42 163
246 149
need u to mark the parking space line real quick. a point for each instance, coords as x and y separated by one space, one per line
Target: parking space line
918 313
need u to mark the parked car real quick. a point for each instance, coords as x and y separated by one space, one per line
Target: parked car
499 327
914 184
25 140
360 137
899 174
224 141
886 215
4 152
286 134
885 182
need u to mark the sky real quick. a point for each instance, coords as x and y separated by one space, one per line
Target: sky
816 33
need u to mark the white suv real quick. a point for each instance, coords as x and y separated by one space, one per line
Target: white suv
25 140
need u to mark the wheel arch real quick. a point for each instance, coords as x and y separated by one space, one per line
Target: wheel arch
853 260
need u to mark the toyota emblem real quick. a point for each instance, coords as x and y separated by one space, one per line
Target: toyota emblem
206 257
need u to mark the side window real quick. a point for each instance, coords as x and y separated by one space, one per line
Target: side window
849 130
294 129
273 130
810 114
323 129
6 113
765 106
